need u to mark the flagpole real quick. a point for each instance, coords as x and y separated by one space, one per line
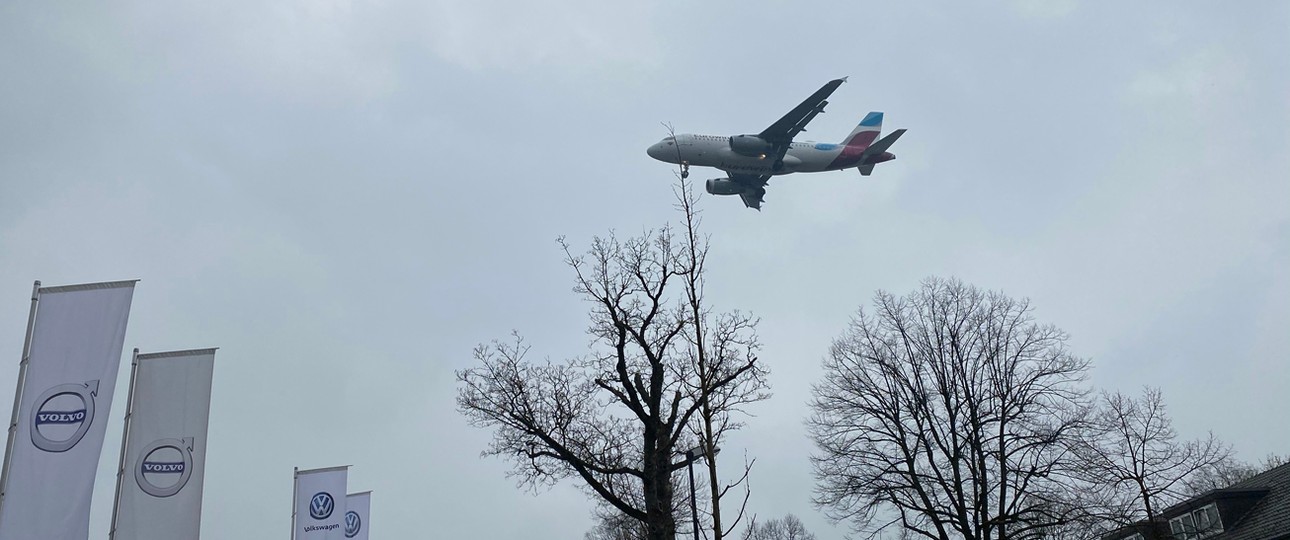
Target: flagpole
125 436
17 394
295 484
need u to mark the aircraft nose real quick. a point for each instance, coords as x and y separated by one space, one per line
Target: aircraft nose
654 151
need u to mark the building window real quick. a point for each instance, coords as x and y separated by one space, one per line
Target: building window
1199 523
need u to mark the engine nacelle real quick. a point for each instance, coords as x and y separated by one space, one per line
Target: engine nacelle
750 145
724 186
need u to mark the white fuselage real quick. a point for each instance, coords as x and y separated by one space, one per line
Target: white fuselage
715 151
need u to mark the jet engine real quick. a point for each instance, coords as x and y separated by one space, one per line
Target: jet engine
750 145
724 186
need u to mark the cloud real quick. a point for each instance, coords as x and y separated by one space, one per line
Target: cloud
1201 77
334 52
495 34
1045 9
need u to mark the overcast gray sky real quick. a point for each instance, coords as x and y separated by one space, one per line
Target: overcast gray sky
346 197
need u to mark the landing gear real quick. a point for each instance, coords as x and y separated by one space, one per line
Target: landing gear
685 170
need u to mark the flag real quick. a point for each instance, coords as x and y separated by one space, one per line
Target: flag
74 352
320 504
159 486
358 506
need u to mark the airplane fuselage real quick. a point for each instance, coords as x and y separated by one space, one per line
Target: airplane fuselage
716 151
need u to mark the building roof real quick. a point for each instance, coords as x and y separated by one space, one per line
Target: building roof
1269 519
1266 495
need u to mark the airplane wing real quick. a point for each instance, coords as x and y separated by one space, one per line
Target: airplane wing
754 188
784 129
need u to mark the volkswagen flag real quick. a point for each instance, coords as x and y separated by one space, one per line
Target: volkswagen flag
159 489
320 504
74 355
357 507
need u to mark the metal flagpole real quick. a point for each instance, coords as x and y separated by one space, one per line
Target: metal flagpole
17 397
125 436
295 484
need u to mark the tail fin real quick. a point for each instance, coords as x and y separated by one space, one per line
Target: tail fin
865 133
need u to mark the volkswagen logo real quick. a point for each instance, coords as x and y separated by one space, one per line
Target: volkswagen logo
353 524
63 415
164 466
321 505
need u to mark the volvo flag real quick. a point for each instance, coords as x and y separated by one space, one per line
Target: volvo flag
159 489
74 355
320 504
357 508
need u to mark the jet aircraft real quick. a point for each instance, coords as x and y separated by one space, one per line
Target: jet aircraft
750 160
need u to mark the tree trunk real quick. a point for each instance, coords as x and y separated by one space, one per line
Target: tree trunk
1151 512
709 450
660 524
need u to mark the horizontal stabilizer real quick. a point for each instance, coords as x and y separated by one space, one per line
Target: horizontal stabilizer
877 148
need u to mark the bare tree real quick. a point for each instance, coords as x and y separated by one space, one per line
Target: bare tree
614 525
1231 471
1134 458
947 413
614 419
785 528
718 346
611 523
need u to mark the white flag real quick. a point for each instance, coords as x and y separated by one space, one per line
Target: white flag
320 504
358 508
75 353
159 492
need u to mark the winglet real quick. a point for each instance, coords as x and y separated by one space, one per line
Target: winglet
844 79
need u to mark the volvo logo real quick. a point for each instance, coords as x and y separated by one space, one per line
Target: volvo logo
353 524
321 505
164 466
63 415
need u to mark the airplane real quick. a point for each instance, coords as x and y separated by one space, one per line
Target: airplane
751 160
